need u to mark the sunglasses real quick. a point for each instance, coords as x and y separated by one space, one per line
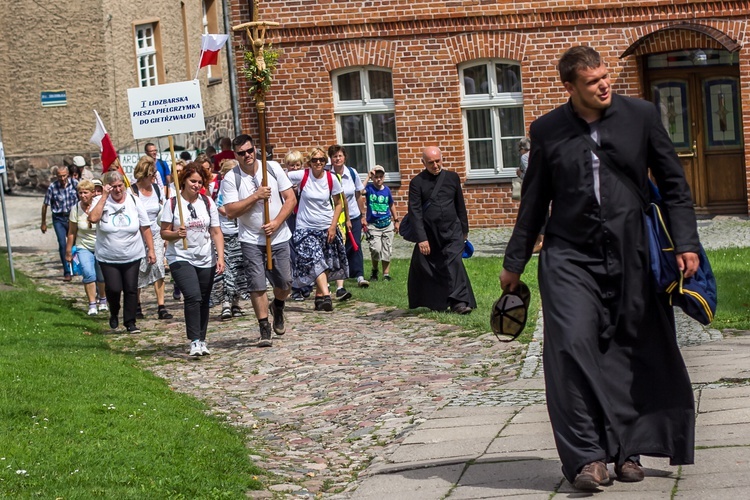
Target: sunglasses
246 152
317 160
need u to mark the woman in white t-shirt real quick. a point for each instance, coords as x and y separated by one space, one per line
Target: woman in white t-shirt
319 246
193 267
152 198
122 229
83 233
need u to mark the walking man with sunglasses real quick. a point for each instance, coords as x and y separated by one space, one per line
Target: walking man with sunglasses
244 197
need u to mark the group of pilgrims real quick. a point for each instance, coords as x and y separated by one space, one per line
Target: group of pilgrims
129 233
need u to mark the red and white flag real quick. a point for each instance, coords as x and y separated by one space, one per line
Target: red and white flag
210 48
101 139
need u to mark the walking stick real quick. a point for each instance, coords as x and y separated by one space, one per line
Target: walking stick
177 189
261 107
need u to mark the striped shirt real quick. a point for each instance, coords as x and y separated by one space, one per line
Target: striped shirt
62 199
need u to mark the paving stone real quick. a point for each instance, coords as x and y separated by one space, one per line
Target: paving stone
522 443
465 449
723 417
723 435
423 484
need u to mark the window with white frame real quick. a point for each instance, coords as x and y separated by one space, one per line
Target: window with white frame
145 52
492 107
366 118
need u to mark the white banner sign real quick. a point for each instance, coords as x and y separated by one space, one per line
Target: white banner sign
161 110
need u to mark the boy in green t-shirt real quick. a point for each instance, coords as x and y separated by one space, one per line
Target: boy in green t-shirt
382 222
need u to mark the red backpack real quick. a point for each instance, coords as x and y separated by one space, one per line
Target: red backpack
304 181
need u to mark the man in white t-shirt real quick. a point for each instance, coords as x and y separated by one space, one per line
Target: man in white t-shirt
244 197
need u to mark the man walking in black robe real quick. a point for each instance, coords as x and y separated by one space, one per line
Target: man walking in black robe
437 277
616 383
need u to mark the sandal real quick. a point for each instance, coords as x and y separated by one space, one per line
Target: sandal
164 314
226 313
237 311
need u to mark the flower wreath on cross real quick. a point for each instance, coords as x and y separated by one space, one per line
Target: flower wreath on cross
260 63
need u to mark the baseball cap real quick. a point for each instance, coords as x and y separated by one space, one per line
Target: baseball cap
509 313
79 161
378 168
97 182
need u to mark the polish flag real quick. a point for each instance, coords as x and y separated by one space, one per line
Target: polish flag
101 139
210 48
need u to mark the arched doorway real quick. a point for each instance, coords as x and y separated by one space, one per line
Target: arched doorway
697 92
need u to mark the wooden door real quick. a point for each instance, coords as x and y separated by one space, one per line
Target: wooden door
700 109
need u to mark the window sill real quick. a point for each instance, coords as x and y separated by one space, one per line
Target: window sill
488 180
214 81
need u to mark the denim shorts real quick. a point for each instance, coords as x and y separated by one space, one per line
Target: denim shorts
89 266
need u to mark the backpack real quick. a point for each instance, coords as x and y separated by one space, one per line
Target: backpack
302 183
155 187
238 179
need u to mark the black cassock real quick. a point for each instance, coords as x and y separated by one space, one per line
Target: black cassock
616 382
439 280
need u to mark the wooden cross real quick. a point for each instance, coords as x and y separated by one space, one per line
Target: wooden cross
256 33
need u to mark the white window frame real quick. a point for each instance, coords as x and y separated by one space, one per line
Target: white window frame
494 101
146 53
366 107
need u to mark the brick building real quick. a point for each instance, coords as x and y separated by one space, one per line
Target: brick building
83 55
386 78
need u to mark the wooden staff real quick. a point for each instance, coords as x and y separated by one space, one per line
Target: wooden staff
256 32
177 190
261 106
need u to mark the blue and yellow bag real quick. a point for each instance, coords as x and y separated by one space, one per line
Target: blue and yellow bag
695 295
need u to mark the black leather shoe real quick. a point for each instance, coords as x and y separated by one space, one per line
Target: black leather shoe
461 309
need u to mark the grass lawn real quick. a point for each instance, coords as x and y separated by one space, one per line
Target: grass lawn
732 270
731 267
81 421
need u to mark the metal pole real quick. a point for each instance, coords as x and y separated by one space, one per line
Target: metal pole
7 232
231 71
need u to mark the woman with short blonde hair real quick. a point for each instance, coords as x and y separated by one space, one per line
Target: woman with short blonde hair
152 198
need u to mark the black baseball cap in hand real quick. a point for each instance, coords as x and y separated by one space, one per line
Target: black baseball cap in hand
510 312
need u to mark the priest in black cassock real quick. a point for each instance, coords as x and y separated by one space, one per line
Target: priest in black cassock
616 383
437 277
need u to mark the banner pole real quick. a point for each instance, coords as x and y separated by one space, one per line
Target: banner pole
176 178
7 232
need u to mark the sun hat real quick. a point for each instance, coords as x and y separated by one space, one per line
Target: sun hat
79 161
468 249
509 313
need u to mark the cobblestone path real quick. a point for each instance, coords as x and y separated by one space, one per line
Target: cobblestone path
335 394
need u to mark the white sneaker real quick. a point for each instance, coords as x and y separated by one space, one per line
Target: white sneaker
103 307
204 348
92 310
195 348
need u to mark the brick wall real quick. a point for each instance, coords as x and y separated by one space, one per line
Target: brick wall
423 42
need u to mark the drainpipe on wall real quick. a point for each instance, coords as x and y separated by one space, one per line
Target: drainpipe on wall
231 70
